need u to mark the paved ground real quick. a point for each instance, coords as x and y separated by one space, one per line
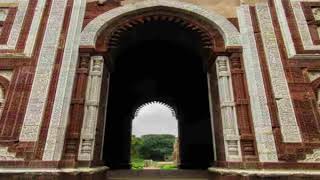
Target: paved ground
158 174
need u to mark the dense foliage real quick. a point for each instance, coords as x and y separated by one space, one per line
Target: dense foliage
155 147
137 163
135 145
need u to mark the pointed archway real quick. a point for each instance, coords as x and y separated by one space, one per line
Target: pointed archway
184 41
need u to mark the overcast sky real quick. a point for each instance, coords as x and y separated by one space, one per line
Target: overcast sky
154 119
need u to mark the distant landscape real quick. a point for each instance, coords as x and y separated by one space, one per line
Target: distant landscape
153 151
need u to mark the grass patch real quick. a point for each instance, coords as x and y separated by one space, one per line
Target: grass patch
168 167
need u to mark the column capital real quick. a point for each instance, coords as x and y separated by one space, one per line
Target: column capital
97 58
222 64
222 58
97 62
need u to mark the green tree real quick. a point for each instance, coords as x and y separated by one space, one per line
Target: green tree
136 142
156 147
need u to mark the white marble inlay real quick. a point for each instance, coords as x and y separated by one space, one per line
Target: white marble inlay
302 28
287 118
314 157
316 14
60 113
5 155
257 93
40 87
17 27
8 3
3 14
7 74
33 32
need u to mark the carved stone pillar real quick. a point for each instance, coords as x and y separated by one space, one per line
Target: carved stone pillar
88 131
77 109
228 112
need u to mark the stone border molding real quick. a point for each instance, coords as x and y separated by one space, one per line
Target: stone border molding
18 25
314 157
5 155
258 99
34 29
267 173
288 123
303 25
8 3
302 28
40 86
60 112
3 14
229 32
5 78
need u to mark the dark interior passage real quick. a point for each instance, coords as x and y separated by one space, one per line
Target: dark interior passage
159 62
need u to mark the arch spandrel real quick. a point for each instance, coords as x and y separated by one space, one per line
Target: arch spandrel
229 32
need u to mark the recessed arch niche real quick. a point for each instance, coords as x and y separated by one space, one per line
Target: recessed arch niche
160 50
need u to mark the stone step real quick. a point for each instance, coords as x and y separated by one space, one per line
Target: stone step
156 174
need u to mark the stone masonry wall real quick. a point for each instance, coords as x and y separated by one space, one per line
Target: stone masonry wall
274 70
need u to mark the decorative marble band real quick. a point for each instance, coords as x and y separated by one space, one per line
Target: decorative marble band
5 75
258 100
302 28
314 157
88 131
40 87
286 33
18 25
226 28
288 122
59 118
228 110
3 15
5 155
32 35
8 3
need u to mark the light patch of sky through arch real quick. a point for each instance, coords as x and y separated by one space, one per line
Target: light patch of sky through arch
154 118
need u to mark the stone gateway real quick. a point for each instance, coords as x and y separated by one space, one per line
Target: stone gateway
242 77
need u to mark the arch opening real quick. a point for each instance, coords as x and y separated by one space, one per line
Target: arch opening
159 61
142 108
154 141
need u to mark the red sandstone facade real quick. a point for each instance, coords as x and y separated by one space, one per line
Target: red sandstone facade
47 58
